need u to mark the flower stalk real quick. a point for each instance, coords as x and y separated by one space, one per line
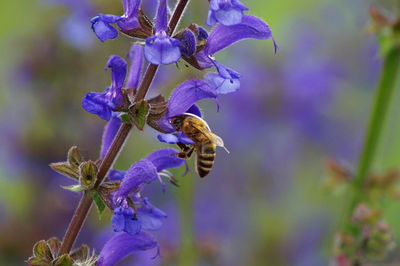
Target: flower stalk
85 204
379 112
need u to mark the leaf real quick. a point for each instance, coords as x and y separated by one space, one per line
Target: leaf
139 113
74 157
64 260
99 202
80 254
88 176
74 188
54 245
65 169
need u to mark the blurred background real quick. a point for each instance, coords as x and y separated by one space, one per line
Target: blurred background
265 203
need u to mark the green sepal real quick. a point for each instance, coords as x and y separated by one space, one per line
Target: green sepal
74 188
99 202
54 245
125 118
35 261
105 191
64 260
139 113
65 169
88 174
80 254
41 250
74 157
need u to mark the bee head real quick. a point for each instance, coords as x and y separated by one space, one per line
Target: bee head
177 121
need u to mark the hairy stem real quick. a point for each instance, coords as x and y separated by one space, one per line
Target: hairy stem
83 208
379 112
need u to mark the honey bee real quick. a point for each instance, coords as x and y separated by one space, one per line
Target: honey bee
205 142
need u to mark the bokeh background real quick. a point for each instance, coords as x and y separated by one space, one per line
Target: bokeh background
265 202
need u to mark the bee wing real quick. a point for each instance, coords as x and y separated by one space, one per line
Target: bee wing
218 141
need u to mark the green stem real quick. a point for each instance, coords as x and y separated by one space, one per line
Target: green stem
379 112
187 254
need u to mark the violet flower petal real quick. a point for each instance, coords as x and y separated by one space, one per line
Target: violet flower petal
162 16
130 18
132 226
165 158
98 104
102 28
226 81
116 175
168 138
136 57
123 244
188 43
203 34
118 71
227 12
118 220
161 49
109 134
140 172
186 94
223 36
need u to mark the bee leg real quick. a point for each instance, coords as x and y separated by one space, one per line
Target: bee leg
187 151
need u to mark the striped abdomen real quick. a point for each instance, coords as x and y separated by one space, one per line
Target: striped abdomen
205 158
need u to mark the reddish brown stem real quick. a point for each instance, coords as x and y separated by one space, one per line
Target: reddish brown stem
85 204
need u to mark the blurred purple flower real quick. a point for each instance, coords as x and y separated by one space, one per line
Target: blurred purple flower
109 133
122 245
160 48
226 12
101 23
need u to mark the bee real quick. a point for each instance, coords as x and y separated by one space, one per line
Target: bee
205 142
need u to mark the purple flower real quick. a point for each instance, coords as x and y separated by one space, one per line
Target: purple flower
121 245
225 81
147 217
101 23
160 48
103 103
226 12
182 100
125 220
223 36
148 170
